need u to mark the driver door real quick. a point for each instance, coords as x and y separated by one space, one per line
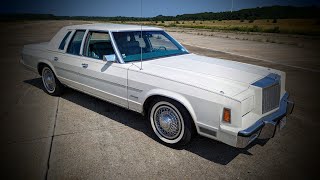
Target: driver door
106 80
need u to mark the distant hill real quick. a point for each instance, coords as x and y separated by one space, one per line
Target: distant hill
272 12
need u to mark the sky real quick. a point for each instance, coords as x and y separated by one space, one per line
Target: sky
132 8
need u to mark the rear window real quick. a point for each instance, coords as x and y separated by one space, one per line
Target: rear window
63 42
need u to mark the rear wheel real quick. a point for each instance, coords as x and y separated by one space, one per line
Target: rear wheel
171 122
51 84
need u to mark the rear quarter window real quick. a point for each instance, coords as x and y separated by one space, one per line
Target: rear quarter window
63 42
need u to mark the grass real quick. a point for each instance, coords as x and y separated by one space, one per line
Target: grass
285 26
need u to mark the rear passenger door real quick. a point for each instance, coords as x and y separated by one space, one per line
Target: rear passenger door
68 64
106 80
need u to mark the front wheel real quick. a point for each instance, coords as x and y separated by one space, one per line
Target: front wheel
51 84
171 122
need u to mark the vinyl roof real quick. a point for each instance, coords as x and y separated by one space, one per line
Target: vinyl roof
112 27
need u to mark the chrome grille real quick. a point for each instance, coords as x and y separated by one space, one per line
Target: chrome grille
270 97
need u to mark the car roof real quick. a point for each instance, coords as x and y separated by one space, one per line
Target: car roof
112 27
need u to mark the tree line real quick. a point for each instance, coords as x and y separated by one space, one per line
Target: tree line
271 12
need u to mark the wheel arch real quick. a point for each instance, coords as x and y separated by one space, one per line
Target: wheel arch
151 95
42 64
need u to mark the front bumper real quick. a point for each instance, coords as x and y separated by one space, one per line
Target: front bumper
267 126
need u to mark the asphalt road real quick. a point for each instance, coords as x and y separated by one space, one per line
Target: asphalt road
76 136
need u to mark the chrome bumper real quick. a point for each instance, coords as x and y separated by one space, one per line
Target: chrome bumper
265 127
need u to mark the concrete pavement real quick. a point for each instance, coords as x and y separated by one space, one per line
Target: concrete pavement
286 55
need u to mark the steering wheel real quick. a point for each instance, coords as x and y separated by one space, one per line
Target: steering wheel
161 47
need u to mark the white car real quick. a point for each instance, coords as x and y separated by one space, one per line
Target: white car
182 94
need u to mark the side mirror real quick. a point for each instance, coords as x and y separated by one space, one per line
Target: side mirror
109 58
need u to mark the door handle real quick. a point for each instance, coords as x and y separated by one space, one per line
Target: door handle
55 58
84 65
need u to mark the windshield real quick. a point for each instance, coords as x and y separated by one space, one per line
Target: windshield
153 44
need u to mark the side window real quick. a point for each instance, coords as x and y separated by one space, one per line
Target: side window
63 42
75 43
97 45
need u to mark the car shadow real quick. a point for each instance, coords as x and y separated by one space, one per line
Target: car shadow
209 149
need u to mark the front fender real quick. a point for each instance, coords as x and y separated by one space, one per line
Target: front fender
173 95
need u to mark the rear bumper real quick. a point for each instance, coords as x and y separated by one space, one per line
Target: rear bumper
265 127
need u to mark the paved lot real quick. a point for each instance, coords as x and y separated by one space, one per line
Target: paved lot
290 56
76 136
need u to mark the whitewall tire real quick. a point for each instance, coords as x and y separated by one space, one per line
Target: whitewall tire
171 122
50 82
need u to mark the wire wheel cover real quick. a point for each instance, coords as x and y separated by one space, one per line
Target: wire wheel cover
167 122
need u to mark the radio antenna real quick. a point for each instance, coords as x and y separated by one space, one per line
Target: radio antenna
231 5
141 35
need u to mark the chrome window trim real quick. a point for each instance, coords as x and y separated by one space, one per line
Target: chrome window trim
115 47
65 40
83 41
73 34
68 41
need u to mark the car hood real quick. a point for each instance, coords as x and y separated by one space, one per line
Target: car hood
212 74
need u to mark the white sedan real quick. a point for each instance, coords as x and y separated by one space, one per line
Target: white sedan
182 94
